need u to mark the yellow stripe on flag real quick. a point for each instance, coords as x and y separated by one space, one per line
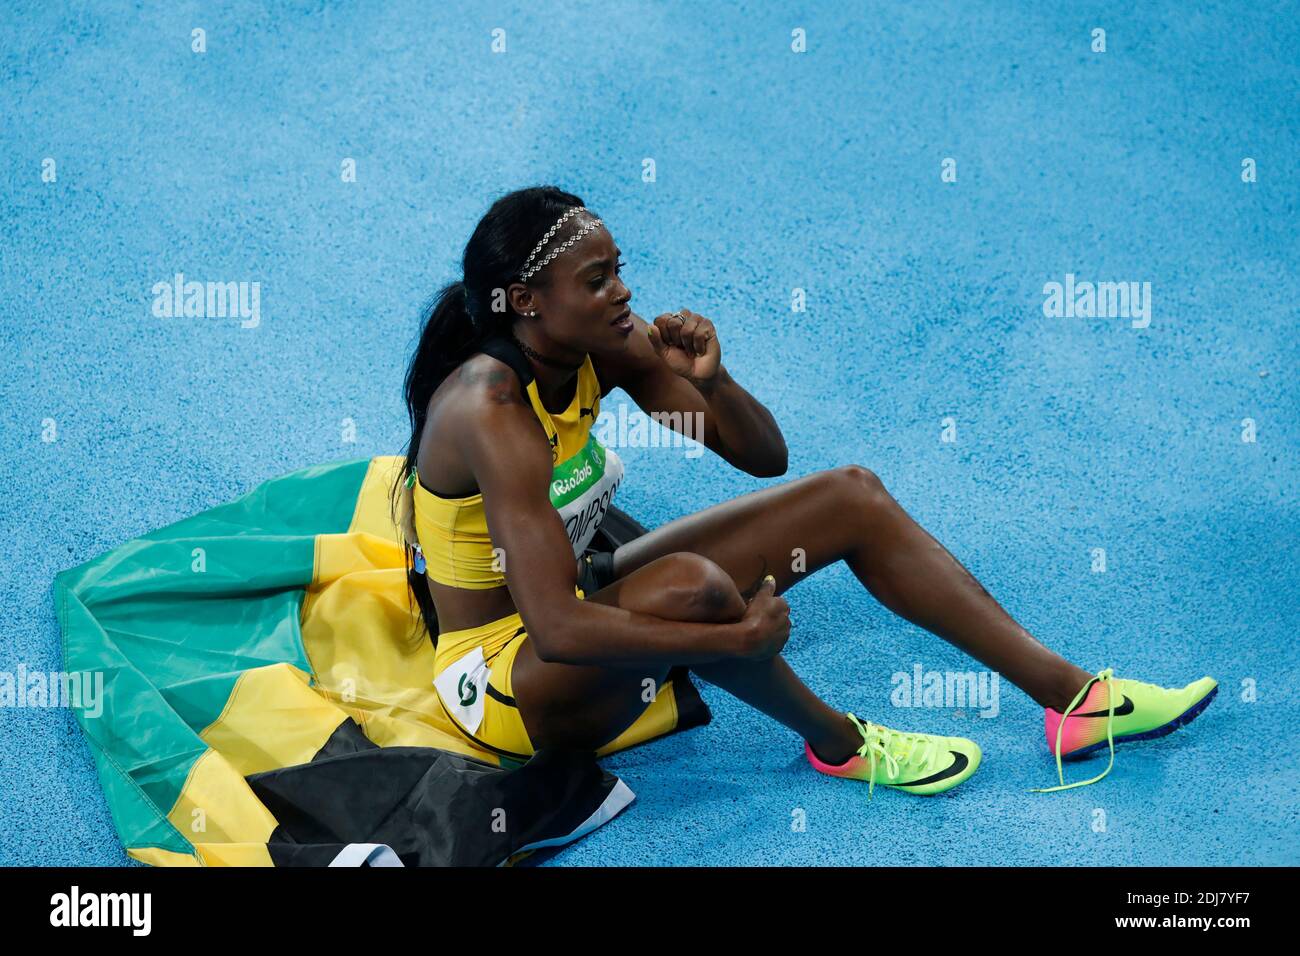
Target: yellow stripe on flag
217 806
155 856
272 720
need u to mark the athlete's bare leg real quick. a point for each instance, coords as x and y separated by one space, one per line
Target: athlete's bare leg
588 706
841 514
845 514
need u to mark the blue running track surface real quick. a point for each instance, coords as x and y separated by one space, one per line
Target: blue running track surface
1038 448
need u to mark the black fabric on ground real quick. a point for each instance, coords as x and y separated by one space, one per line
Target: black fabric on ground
348 738
432 807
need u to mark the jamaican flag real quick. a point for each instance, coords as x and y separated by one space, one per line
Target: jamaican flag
268 700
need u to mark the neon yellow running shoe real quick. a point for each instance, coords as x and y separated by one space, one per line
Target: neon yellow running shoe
923 764
1117 710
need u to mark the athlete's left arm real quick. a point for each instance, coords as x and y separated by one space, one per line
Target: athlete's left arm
673 369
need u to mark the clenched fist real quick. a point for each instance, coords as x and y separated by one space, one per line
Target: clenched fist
688 342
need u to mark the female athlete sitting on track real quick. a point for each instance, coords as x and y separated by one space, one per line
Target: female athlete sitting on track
504 486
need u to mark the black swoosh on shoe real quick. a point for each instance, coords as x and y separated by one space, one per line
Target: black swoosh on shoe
956 767
1120 711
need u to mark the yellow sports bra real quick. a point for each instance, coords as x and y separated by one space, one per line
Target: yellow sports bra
453 533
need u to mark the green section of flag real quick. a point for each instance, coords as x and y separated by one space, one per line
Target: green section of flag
173 618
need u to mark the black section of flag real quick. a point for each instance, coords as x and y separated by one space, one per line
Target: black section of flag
432 807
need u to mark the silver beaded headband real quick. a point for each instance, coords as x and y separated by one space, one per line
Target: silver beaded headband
528 272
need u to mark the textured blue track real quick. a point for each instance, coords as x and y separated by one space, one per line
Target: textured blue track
775 171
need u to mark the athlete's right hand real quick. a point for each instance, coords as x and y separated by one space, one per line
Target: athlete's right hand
766 625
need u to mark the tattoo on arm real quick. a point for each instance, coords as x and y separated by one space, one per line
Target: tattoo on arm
499 383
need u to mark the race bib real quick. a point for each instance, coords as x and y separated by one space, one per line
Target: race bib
581 490
463 689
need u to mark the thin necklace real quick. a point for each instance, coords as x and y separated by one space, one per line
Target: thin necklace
542 358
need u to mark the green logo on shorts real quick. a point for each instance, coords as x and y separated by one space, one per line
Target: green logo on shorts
468 694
